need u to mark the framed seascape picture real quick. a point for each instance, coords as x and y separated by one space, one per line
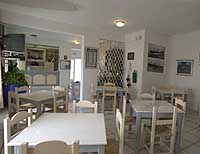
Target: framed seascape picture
184 67
155 59
91 57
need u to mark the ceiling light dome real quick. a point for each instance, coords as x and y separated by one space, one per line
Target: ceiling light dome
120 23
76 42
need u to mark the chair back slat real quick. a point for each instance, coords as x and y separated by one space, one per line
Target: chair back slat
24 89
51 147
20 116
84 104
146 96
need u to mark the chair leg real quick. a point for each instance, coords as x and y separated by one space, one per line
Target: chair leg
142 135
103 102
66 107
114 105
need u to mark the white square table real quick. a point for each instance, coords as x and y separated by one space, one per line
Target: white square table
143 109
38 98
88 128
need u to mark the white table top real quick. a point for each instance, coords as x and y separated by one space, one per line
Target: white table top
40 95
88 128
147 106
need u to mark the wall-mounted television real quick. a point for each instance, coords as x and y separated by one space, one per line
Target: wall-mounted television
14 42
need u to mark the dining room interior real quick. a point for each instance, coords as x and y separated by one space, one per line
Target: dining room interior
76 80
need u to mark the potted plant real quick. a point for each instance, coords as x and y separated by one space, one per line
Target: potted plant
12 79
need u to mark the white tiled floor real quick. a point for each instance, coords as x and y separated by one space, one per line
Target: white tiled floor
190 142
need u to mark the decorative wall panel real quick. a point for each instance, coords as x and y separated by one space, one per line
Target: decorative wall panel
111 63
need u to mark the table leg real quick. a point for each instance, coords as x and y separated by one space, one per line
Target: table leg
178 132
138 132
101 149
38 113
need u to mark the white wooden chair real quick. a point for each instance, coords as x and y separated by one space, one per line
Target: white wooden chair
93 93
160 128
60 100
109 90
51 147
14 105
181 105
24 89
146 96
177 93
84 104
116 145
13 124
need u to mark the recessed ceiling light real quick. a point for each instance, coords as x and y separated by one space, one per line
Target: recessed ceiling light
76 42
120 23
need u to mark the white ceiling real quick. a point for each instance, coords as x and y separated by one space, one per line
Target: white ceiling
164 16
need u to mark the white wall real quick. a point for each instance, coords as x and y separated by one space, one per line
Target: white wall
186 46
151 78
136 46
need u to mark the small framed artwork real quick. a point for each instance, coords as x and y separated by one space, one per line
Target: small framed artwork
91 57
65 64
131 55
184 67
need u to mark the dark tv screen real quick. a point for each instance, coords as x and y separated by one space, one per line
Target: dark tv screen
14 42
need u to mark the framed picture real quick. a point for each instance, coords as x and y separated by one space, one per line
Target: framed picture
65 64
156 57
131 56
184 67
91 57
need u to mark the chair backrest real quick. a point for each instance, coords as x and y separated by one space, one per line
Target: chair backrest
146 96
84 104
109 84
180 104
167 122
60 97
14 123
51 147
109 89
120 124
22 89
179 93
59 88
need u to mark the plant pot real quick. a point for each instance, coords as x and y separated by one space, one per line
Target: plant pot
6 89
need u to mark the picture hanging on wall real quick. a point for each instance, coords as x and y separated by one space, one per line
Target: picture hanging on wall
131 56
155 59
65 64
91 57
184 67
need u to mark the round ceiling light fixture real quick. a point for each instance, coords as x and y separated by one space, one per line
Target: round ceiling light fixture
76 42
120 23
